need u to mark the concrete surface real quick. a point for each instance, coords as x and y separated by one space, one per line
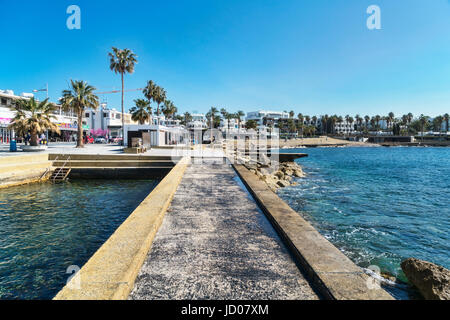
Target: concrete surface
215 243
110 272
23 169
333 274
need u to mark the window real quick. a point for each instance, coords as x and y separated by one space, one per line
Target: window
4 101
118 116
87 115
105 115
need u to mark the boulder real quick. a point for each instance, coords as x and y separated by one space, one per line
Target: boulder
283 183
299 173
279 175
432 281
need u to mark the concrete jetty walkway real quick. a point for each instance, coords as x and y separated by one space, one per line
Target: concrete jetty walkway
215 243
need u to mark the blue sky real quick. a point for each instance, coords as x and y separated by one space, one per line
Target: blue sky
313 57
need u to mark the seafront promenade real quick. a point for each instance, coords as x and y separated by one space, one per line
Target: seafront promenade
215 243
209 230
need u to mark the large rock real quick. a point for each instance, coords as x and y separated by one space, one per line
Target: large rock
431 280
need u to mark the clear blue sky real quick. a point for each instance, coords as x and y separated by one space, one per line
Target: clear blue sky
313 57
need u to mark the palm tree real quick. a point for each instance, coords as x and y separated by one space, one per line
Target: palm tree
423 120
239 116
150 92
34 117
159 97
211 116
390 118
367 119
187 118
78 98
291 114
169 109
437 123
251 124
447 120
122 61
140 113
377 121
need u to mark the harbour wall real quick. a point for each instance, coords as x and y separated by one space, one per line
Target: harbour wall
333 274
18 170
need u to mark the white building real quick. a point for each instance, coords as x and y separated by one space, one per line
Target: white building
159 135
232 126
260 115
107 120
66 121
198 121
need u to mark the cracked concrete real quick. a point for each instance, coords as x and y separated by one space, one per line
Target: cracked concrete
215 243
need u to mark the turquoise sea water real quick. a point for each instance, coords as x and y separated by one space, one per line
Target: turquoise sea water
45 228
378 205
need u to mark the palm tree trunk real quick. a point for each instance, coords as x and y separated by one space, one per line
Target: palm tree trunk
80 143
123 118
33 138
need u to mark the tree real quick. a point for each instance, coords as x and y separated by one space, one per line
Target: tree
34 117
239 115
187 118
437 123
447 120
79 97
140 113
169 109
212 119
367 119
122 61
423 120
251 124
291 114
150 92
159 97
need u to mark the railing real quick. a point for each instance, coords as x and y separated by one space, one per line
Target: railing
62 167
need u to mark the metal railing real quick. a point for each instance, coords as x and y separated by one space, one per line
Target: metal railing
62 167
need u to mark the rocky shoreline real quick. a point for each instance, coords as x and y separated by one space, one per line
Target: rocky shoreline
280 176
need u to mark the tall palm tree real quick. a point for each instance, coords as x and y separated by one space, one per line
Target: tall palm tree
140 112
390 118
122 61
423 120
169 109
437 123
367 119
79 97
211 116
34 117
149 92
447 120
159 97
187 118
239 115
291 114
377 121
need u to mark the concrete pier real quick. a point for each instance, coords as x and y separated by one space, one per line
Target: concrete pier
215 243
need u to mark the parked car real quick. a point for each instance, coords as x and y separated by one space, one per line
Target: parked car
100 140
116 139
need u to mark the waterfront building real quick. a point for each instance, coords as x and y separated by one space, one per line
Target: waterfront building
263 116
158 135
107 120
66 121
198 121
232 126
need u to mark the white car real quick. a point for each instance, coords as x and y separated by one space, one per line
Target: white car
100 140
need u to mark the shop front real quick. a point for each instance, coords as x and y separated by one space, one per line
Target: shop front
5 134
